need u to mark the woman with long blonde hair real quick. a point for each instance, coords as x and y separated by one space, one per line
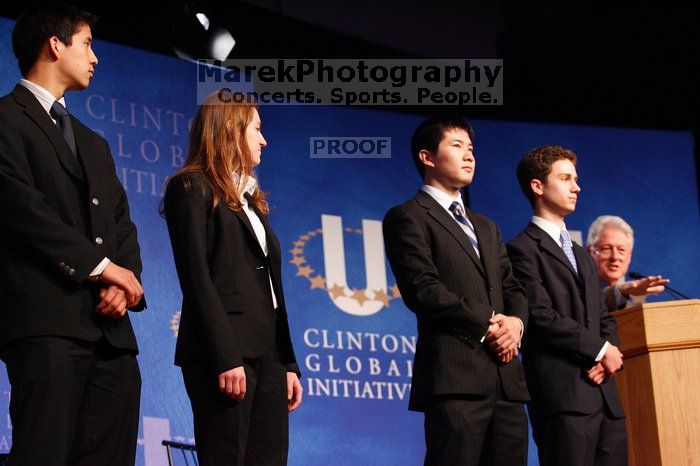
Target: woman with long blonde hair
234 345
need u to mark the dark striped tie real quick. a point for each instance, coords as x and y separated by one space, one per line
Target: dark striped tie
459 215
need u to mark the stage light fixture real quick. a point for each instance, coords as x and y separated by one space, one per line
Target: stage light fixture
196 35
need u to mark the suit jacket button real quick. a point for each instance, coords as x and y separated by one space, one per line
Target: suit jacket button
98 240
95 201
71 271
588 319
490 288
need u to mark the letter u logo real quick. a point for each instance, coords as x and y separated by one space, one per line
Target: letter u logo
362 302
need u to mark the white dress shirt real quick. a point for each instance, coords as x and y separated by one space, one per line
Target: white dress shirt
46 99
248 187
554 230
445 201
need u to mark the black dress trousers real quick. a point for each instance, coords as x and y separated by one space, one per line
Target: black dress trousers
252 432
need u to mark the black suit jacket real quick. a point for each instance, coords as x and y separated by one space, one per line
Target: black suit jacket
453 294
54 208
569 324
227 309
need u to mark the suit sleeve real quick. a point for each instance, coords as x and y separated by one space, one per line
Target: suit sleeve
186 213
514 299
608 326
418 279
287 349
284 338
560 332
28 219
128 251
612 297
609 297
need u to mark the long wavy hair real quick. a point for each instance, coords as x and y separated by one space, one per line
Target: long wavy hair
218 149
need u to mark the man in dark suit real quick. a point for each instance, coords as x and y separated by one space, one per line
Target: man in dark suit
453 273
64 334
571 355
610 242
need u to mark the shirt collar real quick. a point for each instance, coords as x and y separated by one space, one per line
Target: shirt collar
442 198
246 186
550 228
45 98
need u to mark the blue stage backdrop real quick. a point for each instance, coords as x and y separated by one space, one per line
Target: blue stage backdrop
354 338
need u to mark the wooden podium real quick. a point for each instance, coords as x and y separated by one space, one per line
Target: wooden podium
660 383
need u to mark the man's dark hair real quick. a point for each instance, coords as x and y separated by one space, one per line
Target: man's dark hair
429 134
537 165
40 22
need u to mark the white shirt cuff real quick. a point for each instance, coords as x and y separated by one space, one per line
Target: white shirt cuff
522 330
493 313
602 352
100 268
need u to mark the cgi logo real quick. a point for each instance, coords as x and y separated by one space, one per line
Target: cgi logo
367 301
350 148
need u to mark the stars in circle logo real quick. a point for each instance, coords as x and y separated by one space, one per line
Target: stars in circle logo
318 281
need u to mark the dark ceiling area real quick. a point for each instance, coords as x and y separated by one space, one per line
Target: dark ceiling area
580 62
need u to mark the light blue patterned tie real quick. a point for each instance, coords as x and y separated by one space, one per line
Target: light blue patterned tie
568 248
459 215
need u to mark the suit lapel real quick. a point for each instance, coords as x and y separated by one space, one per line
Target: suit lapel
85 150
580 254
243 217
450 224
551 247
483 237
34 110
273 251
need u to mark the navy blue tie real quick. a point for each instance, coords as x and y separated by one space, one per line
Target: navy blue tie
60 114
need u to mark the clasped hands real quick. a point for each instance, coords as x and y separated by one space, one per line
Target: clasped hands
232 383
607 367
504 335
121 290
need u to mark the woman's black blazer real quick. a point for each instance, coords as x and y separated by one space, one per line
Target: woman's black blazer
227 310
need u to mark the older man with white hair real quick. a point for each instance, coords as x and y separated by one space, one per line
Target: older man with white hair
610 242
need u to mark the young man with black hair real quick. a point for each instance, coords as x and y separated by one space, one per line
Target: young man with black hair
453 273
71 259
571 355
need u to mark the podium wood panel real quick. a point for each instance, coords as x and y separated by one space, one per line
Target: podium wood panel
660 384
